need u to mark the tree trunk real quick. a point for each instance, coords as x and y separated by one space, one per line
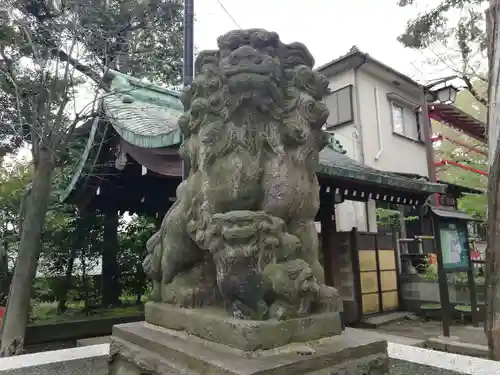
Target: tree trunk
493 30
61 307
33 214
111 290
492 266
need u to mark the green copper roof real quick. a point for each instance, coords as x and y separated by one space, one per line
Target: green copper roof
143 114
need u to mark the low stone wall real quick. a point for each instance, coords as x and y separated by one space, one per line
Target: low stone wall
75 330
93 360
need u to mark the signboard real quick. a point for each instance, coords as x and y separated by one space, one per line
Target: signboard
454 245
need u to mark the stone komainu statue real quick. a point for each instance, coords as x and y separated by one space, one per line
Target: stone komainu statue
241 233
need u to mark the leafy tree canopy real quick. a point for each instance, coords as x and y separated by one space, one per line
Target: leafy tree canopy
455 31
48 49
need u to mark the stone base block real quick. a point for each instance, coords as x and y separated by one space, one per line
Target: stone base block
141 348
217 326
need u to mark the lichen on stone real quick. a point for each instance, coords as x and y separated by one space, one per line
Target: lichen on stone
241 232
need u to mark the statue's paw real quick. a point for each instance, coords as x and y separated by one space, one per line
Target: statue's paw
262 310
328 299
306 304
279 310
240 311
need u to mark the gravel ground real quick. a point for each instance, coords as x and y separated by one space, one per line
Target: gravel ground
398 367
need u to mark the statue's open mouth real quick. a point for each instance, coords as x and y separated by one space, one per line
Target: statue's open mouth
264 69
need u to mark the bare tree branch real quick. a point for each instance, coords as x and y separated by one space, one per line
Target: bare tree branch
473 91
82 68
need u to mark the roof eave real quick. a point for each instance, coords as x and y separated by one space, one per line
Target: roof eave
354 60
112 74
402 183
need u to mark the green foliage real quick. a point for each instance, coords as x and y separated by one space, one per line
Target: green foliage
41 72
133 240
391 218
46 312
434 24
13 178
47 53
431 274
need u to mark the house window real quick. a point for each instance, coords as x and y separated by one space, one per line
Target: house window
405 121
341 108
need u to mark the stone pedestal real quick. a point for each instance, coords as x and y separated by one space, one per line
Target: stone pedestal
202 342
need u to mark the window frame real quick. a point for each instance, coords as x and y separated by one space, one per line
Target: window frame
405 105
351 109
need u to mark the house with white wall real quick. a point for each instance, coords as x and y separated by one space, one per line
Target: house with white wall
374 113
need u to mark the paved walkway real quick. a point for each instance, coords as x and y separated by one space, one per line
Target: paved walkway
395 339
424 330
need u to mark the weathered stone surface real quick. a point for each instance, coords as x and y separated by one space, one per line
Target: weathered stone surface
90 360
216 325
241 233
139 348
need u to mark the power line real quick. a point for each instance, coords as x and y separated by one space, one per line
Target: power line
229 14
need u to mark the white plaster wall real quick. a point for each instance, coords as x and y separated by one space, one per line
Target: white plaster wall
398 154
346 134
348 214
341 80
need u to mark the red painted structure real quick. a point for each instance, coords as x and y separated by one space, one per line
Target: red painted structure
467 168
459 120
455 118
441 137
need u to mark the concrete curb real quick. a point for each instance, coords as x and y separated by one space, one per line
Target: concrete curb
452 345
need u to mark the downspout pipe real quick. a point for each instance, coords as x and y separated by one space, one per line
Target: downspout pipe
359 127
379 130
357 121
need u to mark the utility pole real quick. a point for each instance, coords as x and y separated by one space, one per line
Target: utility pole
187 69
492 265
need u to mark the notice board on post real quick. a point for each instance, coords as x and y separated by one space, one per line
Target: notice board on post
453 255
454 245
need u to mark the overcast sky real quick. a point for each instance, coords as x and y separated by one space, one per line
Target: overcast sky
328 27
